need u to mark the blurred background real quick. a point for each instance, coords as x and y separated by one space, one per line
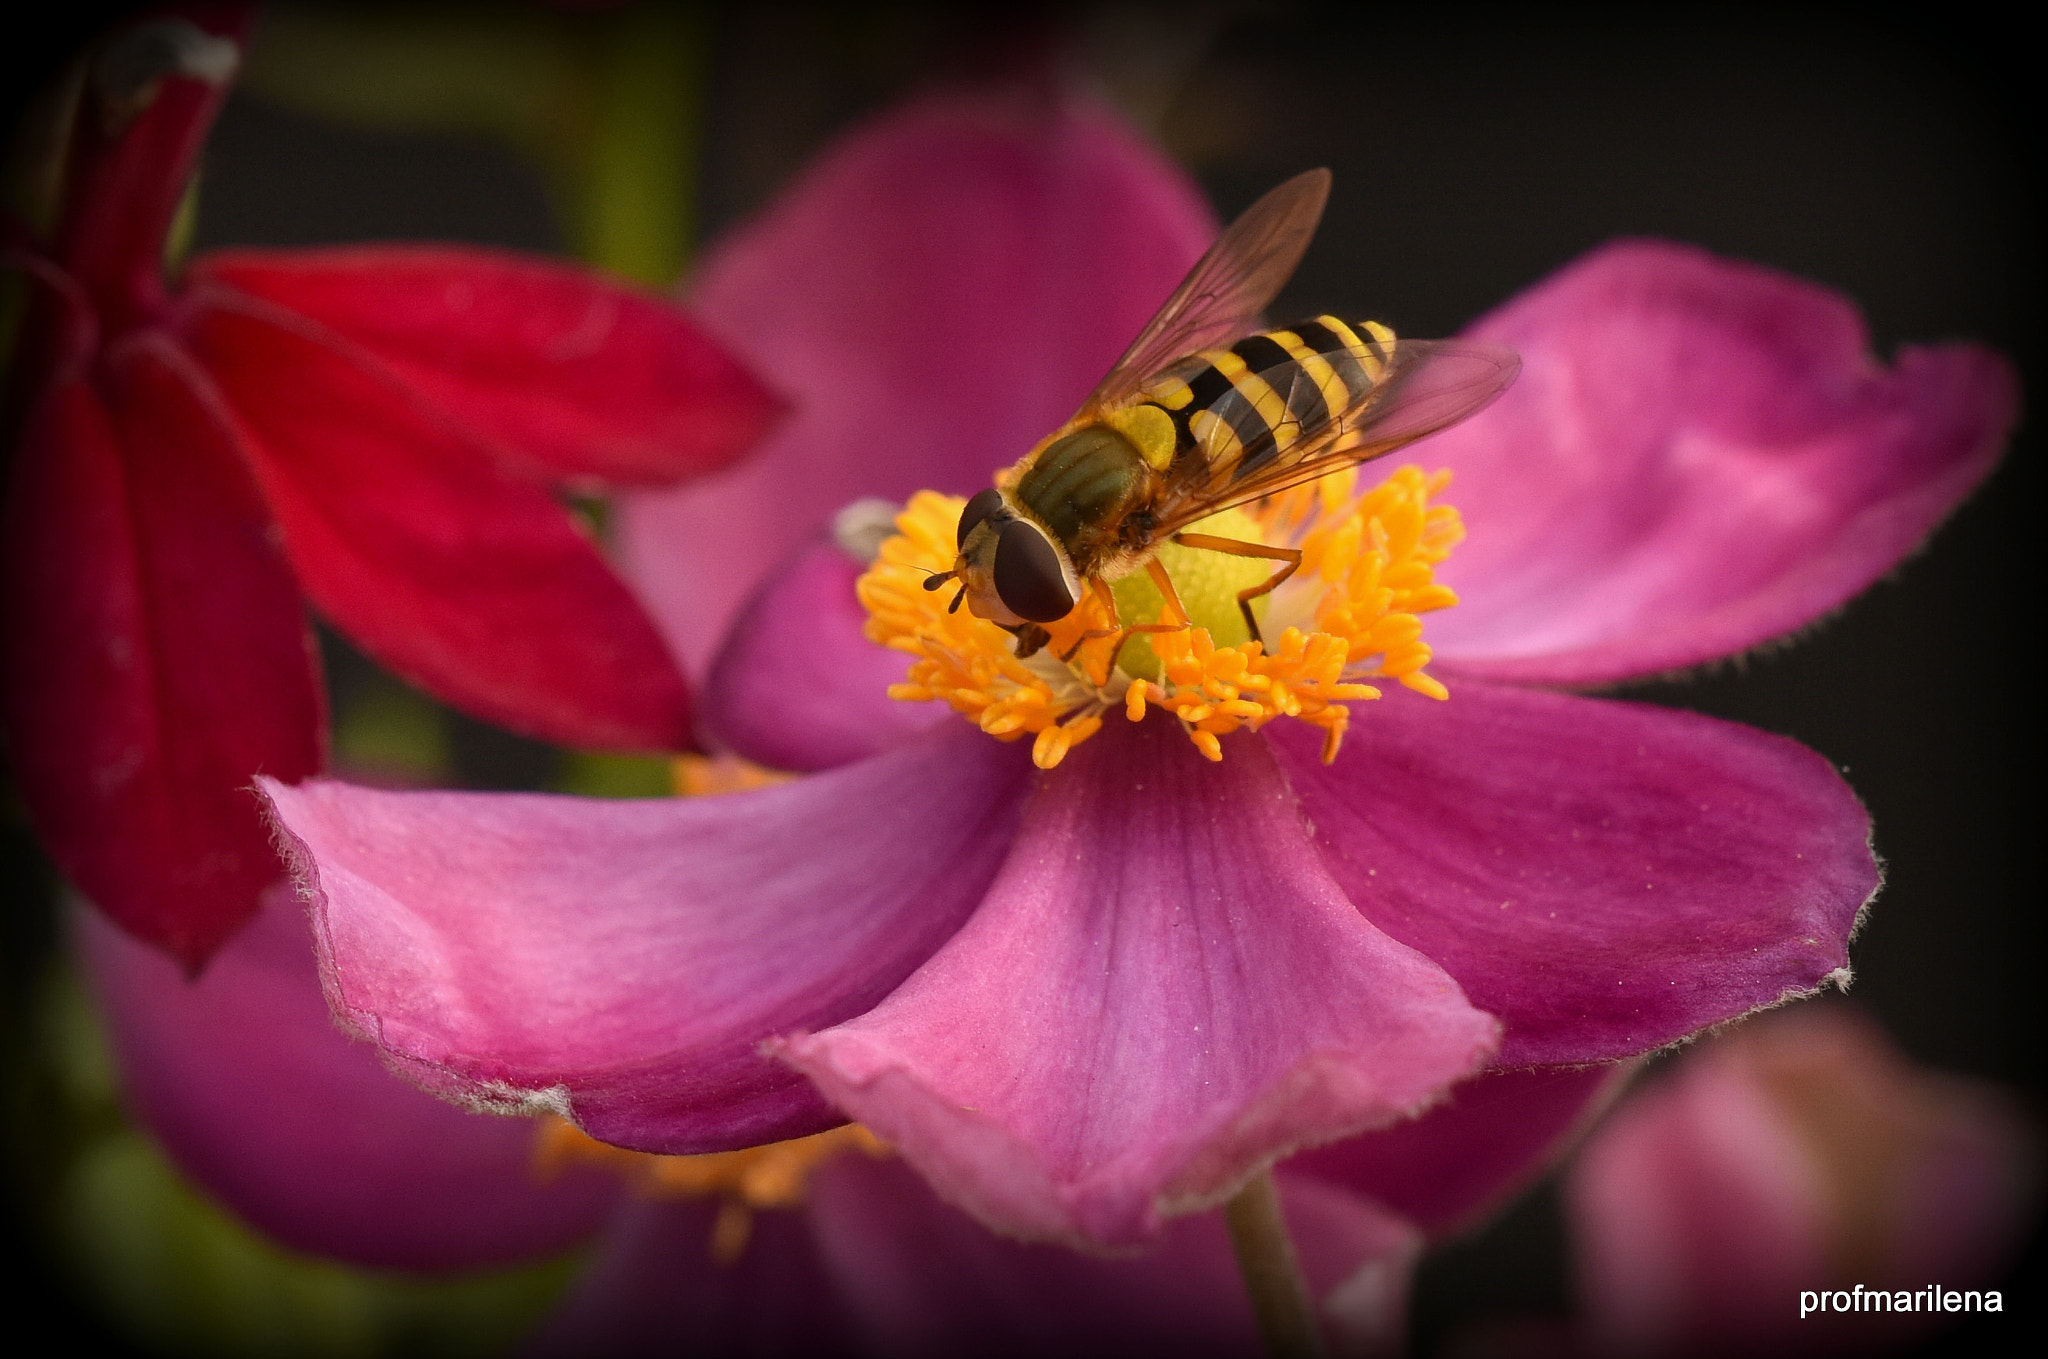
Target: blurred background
1890 155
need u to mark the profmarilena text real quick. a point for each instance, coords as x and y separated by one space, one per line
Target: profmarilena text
1900 1300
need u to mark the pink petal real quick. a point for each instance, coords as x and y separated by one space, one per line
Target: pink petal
1162 991
921 1278
463 579
243 1078
553 366
1700 455
938 292
1606 877
621 961
1491 1137
158 657
797 685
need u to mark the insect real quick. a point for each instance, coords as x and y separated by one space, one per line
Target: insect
1204 412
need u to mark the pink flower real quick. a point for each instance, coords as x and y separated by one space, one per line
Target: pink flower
1801 1154
244 1081
1083 1000
382 431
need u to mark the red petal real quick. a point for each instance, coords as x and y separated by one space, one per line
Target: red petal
158 654
469 582
560 371
126 176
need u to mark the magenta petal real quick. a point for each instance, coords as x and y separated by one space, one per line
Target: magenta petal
1700 455
937 293
620 961
1606 877
1163 990
1487 1141
921 1278
797 684
243 1078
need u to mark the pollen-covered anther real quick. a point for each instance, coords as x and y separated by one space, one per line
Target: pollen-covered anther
776 1175
1351 613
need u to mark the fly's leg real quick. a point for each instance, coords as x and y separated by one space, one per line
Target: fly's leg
1238 548
1122 631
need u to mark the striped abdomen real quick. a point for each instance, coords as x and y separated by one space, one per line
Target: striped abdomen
1255 405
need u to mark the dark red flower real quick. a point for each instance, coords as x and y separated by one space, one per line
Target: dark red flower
382 431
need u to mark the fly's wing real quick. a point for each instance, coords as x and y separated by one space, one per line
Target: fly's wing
1222 296
1425 386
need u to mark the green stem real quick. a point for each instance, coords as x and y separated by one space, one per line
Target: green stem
1265 1256
636 197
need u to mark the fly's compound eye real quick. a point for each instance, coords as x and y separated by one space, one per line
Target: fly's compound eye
1027 574
985 503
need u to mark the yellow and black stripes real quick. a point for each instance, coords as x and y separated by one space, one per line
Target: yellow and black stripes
1258 403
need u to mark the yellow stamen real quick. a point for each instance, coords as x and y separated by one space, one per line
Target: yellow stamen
776 1175
1351 613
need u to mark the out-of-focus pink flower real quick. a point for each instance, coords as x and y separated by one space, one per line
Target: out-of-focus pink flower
245 1082
243 1078
1801 1154
1083 1000
873 1264
381 431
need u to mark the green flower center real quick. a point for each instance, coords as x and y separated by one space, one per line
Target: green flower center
1208 582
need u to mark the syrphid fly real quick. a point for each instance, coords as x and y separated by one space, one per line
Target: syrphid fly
1204 412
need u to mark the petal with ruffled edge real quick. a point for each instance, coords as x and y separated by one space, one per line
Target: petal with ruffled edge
1491 1137
922 1278
566 373
620 962
1163 990
158 655
797 684
1606 877
937 293
474 584
1700 455
243 1078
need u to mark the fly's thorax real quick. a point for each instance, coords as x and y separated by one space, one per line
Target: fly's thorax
1081 487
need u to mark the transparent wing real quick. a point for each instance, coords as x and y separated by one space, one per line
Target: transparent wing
1428 385
1222 296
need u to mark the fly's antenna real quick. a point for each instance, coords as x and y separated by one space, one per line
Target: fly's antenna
959 595
934 579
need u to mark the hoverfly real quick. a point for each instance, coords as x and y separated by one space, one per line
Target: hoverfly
1204 412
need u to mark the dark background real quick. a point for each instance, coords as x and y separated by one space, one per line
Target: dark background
1888 155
